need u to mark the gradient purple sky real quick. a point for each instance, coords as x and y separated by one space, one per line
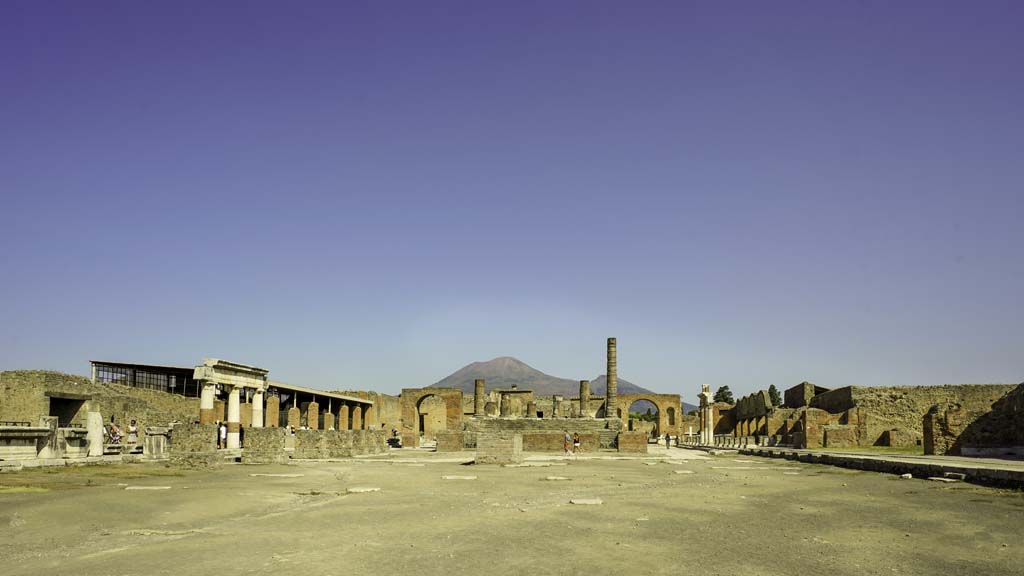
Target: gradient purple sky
371 195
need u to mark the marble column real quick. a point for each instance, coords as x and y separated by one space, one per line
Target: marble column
206 414
257 409
234 416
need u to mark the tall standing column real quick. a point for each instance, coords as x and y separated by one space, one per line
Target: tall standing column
257 409
478 397
206 415
234 418
584 398
611 397
357 417
343 419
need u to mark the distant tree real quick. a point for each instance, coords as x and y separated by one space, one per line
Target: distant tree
723 394
773 395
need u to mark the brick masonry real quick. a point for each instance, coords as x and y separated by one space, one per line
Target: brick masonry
501 448
633 442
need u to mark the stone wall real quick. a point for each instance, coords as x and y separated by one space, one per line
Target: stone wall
605 429
23 398
503 448
192 437
633 442
555 442
317 444
265 446
976 430
839 436
450 441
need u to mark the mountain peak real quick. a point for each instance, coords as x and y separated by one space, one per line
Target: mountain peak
504 371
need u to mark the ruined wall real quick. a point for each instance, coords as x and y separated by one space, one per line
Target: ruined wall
633 442
976 430
503 448
450 441
23 398
387 409
187 438
555 442
317 444
265 446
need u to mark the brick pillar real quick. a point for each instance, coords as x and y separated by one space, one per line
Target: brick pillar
479 400
234 414
294 417
343 417
612 396
584 399
357 417
505 406
531 409
272 414
313 416
206 413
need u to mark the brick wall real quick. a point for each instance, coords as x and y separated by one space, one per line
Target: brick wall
633 442
265 446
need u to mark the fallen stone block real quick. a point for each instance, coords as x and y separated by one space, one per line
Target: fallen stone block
277 475
556 478
452 477
147 488
940 479
586 501
683 471
362 489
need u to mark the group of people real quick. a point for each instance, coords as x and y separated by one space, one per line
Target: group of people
114 434
574 440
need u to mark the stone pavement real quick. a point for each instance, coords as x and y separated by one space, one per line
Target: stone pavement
992 471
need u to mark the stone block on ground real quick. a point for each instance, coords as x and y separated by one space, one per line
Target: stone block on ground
501 448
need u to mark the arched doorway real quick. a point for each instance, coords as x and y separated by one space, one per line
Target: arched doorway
431 416
644 417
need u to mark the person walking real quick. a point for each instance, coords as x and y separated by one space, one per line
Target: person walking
668 440
222 438
565 442
575 442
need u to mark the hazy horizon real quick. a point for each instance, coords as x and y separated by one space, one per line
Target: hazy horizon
373 195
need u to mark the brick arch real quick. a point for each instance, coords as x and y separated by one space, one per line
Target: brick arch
410 401
662 402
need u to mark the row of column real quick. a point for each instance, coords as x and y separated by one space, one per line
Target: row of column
207 413
504 407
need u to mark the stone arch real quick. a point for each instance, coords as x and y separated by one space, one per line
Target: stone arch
642 406
663 402
410 402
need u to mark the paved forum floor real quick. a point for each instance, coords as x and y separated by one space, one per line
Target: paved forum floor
679 515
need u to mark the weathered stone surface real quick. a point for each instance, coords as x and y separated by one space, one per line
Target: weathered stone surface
633 442
450 441
499 448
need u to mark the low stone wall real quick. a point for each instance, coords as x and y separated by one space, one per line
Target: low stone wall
633 442
316 444
899 437
450 441
265 446
186 438
504 448
555 442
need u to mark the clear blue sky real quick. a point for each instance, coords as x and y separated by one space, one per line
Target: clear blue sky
371 195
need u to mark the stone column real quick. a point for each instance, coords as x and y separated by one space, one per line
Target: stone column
505 406
206 414
357 417
234 414
343 417
611 397
531 409
257 409
479 400
313 415
272 415
294 417
556 406
584 398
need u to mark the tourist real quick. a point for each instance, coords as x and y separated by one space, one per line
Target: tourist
575 442
668 440
222 438
115 433
133 433
566 443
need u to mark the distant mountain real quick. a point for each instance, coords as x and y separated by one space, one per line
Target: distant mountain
505 371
